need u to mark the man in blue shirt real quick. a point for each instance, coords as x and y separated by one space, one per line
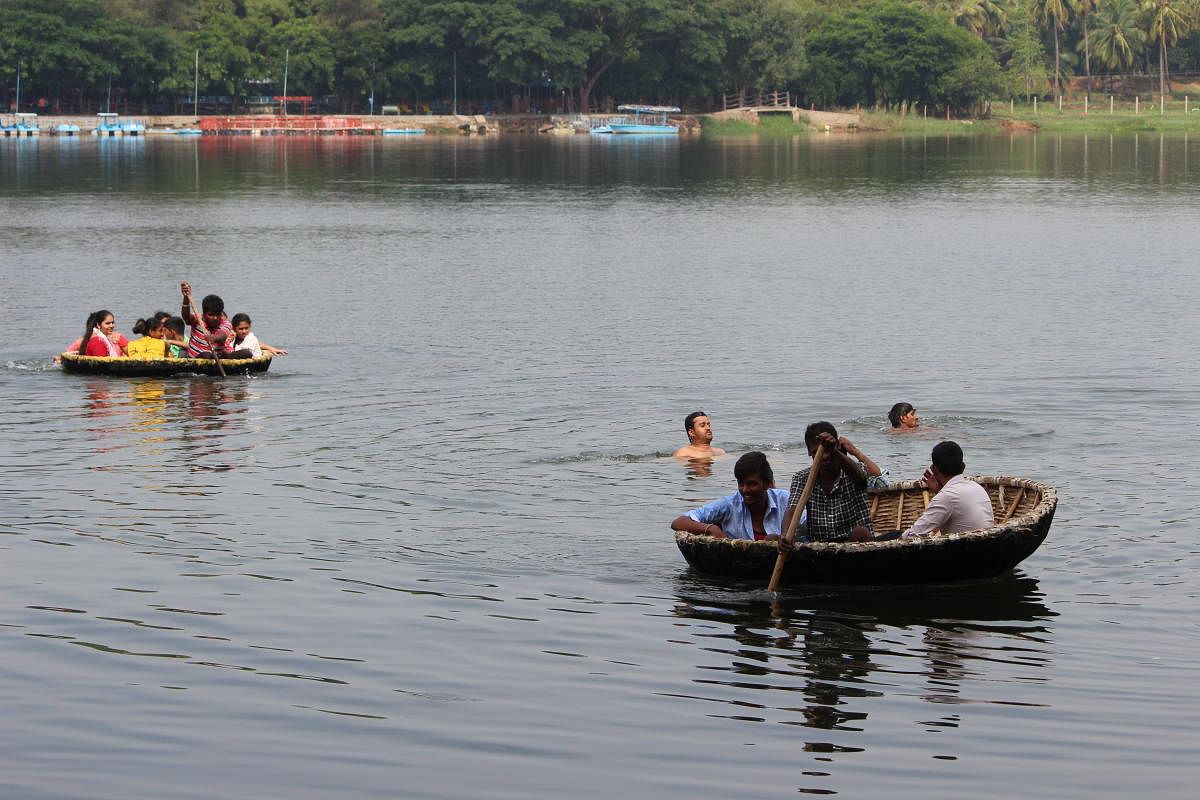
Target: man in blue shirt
754 511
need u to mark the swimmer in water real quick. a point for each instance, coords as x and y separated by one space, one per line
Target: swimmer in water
903 418
700 436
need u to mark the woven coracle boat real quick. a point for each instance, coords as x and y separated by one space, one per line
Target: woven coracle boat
161 367
1024 510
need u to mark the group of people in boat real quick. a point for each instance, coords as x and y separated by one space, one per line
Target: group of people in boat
211 335
837 510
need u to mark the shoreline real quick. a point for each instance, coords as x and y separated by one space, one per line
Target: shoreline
1017 120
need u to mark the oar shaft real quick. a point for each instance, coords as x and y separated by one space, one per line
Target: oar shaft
790 533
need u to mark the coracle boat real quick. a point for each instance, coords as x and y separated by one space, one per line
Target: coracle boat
161 367
1024 510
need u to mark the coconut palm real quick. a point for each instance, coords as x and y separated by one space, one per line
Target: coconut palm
1116 35
983 18
1083 10
1169 21
1055 13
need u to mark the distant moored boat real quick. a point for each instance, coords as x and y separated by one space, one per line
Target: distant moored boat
646 120
109 123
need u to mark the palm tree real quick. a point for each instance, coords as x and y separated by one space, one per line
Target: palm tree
1055 13
983 18
1084 8
1170 20
1117 36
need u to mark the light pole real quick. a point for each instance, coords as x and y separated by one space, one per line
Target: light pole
286 55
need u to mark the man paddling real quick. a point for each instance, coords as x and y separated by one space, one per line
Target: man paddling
211 325
754 511
700 436
837 508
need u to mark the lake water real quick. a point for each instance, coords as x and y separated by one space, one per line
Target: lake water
427 555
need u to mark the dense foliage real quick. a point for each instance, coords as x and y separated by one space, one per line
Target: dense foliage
517 55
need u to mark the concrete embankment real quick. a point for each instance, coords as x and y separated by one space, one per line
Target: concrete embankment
816 120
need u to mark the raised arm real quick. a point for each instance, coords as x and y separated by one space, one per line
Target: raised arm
872 468
849 466
186 311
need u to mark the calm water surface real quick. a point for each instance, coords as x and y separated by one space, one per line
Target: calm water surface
427 554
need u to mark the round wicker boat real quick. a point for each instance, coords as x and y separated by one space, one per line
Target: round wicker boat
1024 510
161 367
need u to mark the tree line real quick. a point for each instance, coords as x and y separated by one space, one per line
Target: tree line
519 55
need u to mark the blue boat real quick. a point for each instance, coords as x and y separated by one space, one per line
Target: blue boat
403 131
601 126
110 124
646 120
66 129
23 124
189 132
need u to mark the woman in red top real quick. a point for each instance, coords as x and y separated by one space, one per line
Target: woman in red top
96 341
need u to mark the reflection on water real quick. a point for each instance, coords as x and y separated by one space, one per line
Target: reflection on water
854 163
196 422
440 526
826 659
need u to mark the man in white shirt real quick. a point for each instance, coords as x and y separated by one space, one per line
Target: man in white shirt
958 504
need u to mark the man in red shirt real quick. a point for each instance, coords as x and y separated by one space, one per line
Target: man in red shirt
211 325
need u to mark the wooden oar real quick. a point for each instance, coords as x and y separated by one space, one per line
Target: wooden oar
790 533
212 350
1016 502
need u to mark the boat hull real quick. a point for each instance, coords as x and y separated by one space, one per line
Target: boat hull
933 558
643 129
160 367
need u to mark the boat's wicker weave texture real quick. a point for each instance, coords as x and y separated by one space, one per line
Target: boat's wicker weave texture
160 367
1024 511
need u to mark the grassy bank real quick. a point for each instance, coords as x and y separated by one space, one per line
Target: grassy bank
926 126
774 126
1177 115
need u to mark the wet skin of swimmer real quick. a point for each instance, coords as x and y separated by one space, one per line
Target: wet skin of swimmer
903 417
699 432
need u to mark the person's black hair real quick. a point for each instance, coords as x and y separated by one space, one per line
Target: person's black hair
899 410
690 420
212 304
816 429
948 458
143 326
753 463
238 319
93 321
176 324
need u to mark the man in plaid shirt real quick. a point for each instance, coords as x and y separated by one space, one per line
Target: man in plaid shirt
837 508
